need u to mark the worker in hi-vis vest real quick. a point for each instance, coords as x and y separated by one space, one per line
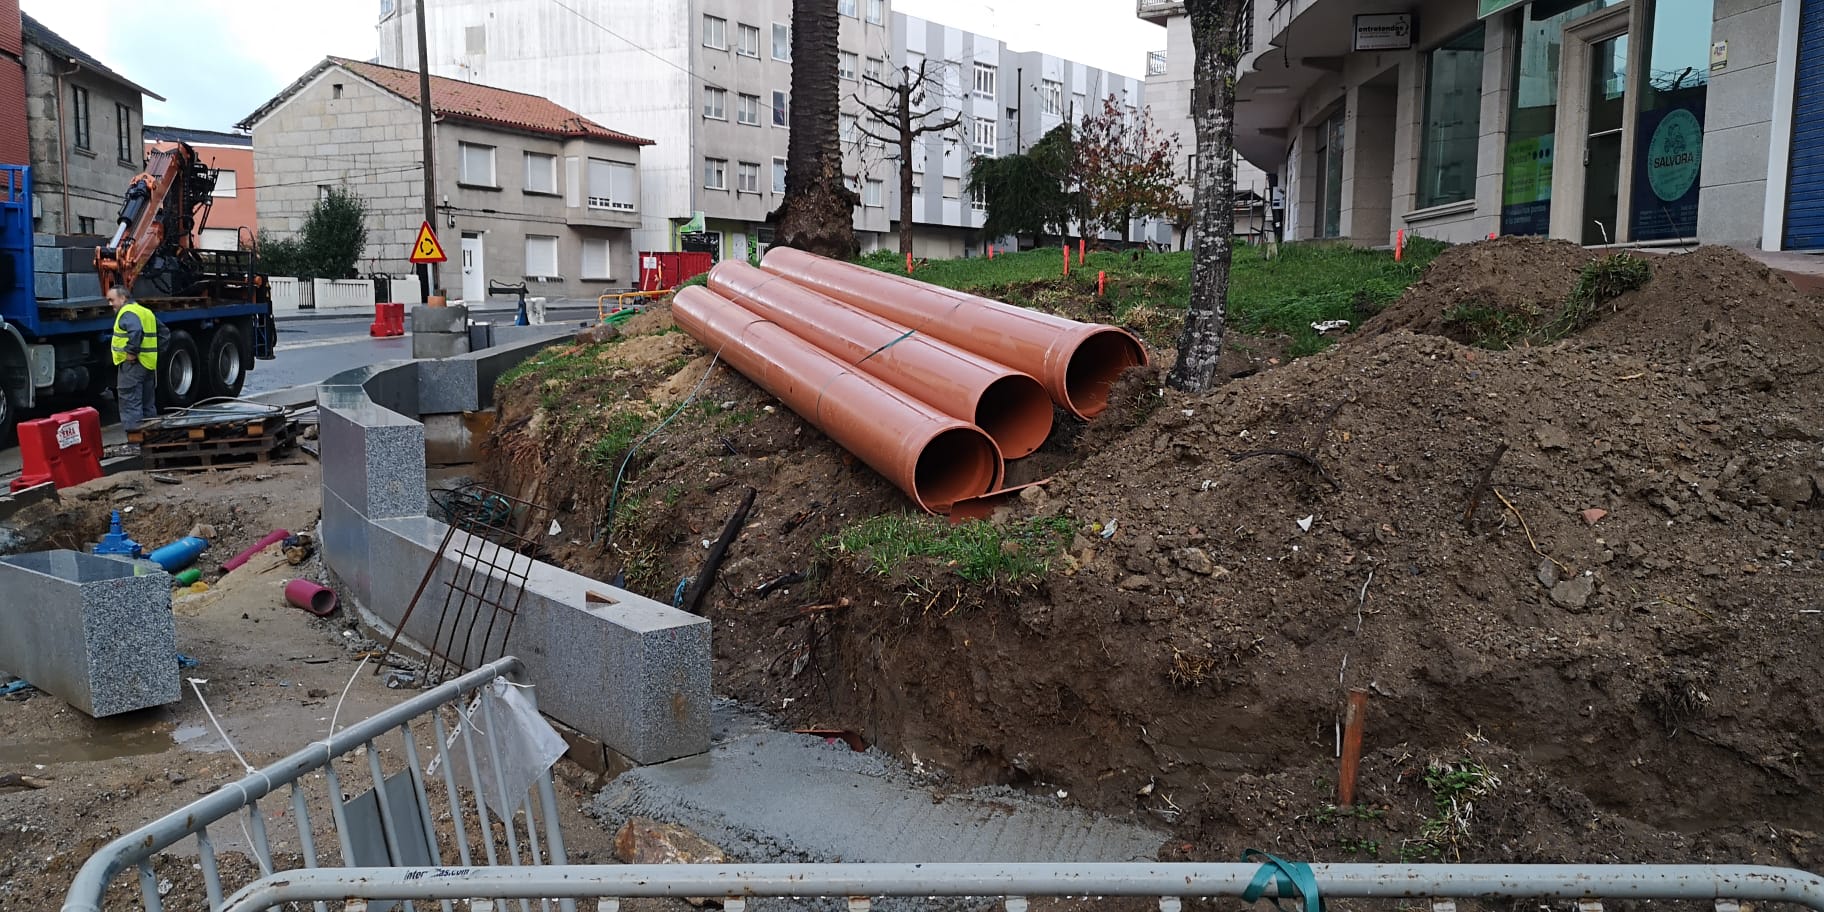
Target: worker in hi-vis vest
136 333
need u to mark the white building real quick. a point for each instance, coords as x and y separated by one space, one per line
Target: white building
709 81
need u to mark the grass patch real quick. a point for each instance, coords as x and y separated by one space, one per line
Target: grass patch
618 435
1455 789
1598 284
1304 284
977 552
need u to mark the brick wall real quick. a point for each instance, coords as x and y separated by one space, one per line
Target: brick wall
13 147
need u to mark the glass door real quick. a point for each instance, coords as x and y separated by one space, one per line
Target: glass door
1602 165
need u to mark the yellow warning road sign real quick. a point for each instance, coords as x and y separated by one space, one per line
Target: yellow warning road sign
426 249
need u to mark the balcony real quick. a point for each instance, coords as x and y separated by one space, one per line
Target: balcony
1157 11
1155 63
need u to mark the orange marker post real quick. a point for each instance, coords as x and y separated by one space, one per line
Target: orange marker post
1080 245
908 264
1067 258
1101 282
991 251
1353 718
1399 245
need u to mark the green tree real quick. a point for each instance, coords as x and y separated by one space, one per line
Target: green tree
328 247
1027 193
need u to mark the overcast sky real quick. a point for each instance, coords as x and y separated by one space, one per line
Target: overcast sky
218 60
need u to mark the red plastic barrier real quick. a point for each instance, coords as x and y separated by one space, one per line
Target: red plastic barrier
389 320
662 269
64 449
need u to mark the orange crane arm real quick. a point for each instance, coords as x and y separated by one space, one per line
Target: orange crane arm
163 208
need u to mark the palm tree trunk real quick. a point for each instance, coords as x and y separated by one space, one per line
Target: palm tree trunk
818 213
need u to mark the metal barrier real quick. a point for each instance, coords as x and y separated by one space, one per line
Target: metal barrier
1724 886
407 831
620 301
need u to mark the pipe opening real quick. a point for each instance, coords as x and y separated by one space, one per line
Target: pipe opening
1016 411
1095 365
956 464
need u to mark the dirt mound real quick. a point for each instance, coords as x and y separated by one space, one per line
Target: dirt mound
1617 607
1526 277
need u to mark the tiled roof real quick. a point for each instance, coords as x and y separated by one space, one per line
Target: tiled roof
60 47
458 100
200 137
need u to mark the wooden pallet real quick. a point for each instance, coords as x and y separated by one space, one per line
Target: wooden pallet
227 431
220 453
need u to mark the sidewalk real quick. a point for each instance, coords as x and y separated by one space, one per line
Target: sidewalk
491 309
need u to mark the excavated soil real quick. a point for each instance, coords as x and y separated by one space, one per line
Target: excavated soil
1609 623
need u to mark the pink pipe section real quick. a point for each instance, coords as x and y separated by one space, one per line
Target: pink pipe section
272 538
934 458
1077 362
1011 407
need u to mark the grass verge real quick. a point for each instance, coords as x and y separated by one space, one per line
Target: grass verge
976 552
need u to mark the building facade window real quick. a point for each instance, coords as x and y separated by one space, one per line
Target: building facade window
747 110
715 173
1051 96
227 184
123 132
747 177
977 201
985 144
1669 137
79 116
714 102
750 41
847 129
848 8
782 41
1526 178
715 33
541 256
875 68
918 187
597 263
846 63
1079 104
541 173
877 12
1453 120
872 191
782 109
475 165
612 186
778 175
85 224
1330 176
953 188
984 80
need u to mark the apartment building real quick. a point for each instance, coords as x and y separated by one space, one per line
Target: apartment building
233 213
1587 121
708 80
1007 100
527 190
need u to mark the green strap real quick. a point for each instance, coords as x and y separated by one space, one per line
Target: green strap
1286 877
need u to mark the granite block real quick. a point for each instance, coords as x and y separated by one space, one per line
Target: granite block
446 387
439 344
48 285
388 477
97 633
452 319
81 285
64 260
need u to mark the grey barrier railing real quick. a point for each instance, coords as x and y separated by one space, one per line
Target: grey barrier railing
398 826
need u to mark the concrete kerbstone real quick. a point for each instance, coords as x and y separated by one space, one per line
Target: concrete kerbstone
451 319
97 633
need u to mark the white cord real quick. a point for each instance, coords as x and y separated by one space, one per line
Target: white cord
338 711
194 685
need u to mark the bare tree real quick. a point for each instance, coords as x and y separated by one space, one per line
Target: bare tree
901 123
1216 41
818 212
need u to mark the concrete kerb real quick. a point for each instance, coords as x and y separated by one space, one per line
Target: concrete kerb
634 674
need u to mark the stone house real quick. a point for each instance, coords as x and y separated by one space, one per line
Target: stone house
526 189
84 122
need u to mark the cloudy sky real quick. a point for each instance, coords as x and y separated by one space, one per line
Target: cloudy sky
245 51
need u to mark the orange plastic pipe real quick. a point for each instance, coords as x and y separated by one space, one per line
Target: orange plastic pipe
934 458
1012 407
1077 362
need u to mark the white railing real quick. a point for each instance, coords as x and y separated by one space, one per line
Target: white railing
343 293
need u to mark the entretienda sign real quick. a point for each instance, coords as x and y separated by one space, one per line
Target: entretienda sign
1383 32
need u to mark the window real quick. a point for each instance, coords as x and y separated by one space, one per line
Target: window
612 186
79 115
1453 120
747 109
876 68
953 188
595 259
1330 176
1051 96
1078 105
715 33
782 109
335 91
782 41
715 173
85 225
541 173
984 80
918 186
984 137
977 201
848 128
123 131
747 177
1675 95
876 128
845 64
778 175
713 101
871 193
750 41
847 8
1526 192
1155 63
918 159
877 12
475 39
322 192
541 256
476 167
227 184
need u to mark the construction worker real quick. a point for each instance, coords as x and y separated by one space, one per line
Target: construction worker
136 338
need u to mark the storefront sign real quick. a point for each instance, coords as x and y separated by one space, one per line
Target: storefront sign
1487 8
1383 32
1719 56
1666 172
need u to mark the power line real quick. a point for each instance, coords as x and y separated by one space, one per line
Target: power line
644 50
318 181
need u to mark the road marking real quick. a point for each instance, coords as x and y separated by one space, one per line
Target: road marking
319 343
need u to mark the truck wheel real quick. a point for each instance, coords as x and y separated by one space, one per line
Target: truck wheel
9 420
180 375
222 363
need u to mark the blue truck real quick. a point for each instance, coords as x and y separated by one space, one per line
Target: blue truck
56 325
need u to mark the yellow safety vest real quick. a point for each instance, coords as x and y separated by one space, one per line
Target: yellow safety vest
148 341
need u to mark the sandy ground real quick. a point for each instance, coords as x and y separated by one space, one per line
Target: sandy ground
272 675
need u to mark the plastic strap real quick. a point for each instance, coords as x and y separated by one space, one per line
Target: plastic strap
1286 877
